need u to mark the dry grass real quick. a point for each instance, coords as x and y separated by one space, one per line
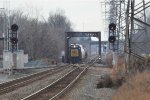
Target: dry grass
136 88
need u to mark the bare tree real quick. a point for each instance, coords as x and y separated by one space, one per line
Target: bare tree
41 39
58 25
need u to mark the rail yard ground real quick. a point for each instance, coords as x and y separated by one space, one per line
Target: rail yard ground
136 88
4 76
31 88
86 88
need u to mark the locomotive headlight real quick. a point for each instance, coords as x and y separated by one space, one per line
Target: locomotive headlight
99 58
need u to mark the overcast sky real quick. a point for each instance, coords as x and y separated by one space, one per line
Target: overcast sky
84 14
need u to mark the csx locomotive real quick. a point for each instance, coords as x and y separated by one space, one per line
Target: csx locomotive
77 53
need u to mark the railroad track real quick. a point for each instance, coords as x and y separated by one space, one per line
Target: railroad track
59 87
9 86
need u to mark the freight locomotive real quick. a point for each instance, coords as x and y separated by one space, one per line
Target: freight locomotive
77 53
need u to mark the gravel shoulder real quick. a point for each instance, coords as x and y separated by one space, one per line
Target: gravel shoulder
85 88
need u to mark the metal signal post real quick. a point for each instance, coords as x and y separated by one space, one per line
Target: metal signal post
112 37
113 43
13 38
14 41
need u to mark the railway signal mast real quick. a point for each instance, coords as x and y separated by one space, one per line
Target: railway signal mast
13 38
112 36
113 42
131 28
14 42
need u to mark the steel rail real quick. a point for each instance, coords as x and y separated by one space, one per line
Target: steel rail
59 87
20 82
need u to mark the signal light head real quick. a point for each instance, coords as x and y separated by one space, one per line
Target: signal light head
112 26
112 39
14 27
14 40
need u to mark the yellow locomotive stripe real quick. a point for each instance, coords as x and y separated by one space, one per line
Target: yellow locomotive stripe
74 53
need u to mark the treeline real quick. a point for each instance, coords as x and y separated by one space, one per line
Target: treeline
38 39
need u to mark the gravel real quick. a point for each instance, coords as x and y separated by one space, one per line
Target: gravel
33 87
86 89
